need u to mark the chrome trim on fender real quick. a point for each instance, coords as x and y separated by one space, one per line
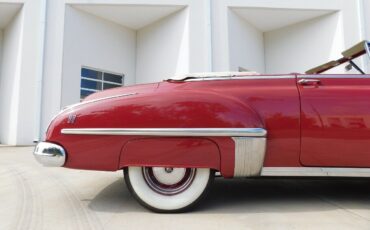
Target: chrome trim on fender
240 78
315 172
342 76
249 156
225 76
49 154
210 74
191 132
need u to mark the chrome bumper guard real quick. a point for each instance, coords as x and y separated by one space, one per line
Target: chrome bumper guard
49 154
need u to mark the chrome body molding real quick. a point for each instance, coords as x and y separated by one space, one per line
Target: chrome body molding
181 132
49 154
340 76
210 74
241 78
315 172
213 76
249 156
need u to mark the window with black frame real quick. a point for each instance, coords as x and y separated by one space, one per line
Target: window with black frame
93 80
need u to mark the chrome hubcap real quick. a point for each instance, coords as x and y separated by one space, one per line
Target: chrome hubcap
168 181
168 176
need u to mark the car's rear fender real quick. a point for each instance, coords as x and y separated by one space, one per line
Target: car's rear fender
233 156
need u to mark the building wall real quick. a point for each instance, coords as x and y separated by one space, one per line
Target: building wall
53 63
1 49
366 6
83 38
10 79
366 26
163 48
31 72
285 49
246 45
288 50
21 77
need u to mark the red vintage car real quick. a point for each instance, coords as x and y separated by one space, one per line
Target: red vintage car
170 138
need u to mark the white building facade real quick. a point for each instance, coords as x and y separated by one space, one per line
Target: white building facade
52 52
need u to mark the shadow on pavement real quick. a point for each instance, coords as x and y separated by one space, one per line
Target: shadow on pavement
263 195
115 198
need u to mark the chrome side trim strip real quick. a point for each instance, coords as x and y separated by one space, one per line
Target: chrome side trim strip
191 132
249 156
315 172
323 76
240 78
210 74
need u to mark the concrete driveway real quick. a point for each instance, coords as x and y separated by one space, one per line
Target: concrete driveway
35 197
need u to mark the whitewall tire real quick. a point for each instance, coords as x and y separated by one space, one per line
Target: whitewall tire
168 189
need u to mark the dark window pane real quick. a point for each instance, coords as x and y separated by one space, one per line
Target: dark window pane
90 84
113 78
85 93
109 86
89 73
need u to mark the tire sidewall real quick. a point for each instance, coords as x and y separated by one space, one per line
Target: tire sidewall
168 203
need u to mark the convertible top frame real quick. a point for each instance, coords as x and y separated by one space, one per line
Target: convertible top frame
348 55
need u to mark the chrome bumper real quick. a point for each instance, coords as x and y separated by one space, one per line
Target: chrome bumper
49 154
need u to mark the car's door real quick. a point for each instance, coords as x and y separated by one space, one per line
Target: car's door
335 120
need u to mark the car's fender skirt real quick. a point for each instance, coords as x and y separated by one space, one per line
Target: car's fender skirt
182 152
